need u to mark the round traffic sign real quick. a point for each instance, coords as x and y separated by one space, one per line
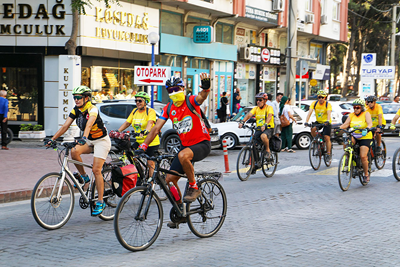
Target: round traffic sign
265 55
313 82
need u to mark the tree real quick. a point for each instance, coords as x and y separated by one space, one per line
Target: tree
78 7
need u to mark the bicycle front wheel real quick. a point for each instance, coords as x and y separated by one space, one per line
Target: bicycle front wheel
49 211
314 153
380 159
345 172
396 164
269 165
207 213
138 219
245 163
110 198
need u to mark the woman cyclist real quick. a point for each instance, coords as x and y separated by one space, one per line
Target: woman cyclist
142 119
361 120
94 138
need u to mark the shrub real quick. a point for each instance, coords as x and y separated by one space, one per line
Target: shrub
30 127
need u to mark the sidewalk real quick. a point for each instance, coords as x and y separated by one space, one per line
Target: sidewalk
23 165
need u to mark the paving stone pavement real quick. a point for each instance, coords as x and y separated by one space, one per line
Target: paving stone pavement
300 218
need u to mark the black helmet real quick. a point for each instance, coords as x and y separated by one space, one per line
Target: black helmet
174 81
370 98
262 95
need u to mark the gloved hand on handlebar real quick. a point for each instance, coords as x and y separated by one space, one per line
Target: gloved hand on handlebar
327 123
113 134
142 149
50 143
364 132
82 140
307 124
392 126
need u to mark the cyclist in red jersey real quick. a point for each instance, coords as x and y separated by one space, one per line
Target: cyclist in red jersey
191 130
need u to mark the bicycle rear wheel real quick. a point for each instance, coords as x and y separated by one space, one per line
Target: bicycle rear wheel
269 165
345 172
49 212
327 161
396 164
207 213
314 153
245 163
380 159
133 230
110 198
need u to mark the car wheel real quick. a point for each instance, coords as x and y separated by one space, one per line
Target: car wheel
303 140
231 140
172 144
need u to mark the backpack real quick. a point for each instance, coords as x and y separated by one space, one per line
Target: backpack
316 102
136 109
123 179
203 117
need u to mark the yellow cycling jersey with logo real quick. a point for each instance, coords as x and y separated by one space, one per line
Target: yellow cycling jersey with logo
139 122
262 115
359 122
375 114
321 111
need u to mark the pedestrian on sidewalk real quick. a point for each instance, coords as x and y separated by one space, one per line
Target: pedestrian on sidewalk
3 118
287 132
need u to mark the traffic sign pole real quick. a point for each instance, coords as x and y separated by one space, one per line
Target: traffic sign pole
152 86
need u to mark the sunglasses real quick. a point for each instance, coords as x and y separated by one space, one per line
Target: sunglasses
370 102
78 97
138 100
173 89
259 99
356 107
321 97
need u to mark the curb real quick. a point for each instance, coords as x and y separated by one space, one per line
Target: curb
12 196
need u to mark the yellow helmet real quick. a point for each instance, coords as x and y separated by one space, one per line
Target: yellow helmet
322 93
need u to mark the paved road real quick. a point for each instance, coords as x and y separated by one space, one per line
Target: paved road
299 217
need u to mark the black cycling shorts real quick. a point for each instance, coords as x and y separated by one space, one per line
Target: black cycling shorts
364 142
327 130
151 150
258 133
200 152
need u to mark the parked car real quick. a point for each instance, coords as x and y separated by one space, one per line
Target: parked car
339 109
389 111
234 136
115 112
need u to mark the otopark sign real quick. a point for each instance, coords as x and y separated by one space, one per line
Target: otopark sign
146 75
203 34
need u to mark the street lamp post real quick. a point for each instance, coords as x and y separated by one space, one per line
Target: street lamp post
153 39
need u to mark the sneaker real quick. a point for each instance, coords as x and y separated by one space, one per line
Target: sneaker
98 209
328 157
192 194
267 154
86 180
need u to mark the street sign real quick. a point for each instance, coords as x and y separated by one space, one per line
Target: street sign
378 72
313 82
265 55
203 34
146 75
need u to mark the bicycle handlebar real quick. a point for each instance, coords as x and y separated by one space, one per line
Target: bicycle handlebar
155 158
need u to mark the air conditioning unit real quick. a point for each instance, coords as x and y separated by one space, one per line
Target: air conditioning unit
324 19
244 53
277 5
309 19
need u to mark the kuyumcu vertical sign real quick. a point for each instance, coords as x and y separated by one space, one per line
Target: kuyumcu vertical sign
69 76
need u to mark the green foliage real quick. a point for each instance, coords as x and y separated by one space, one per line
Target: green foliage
80 5
30 127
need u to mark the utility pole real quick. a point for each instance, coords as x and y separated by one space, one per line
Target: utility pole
291 50
392 51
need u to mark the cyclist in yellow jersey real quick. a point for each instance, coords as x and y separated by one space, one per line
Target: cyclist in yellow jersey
394 120
142 119
361 120
94 139
378 120
264 120
323 111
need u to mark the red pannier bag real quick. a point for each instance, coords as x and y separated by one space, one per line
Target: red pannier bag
123 179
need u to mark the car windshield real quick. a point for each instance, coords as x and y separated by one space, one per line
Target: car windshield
240 116
334 98
346 106
390 108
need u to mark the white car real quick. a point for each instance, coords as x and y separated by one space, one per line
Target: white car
339 109
235 136
389 111
115 112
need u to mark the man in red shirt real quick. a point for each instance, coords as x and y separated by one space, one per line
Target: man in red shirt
191 130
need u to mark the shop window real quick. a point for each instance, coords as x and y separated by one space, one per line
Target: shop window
192 22
171 23
218 33
336 11
167 60
204 64
178 61
227 37
195 63
22 93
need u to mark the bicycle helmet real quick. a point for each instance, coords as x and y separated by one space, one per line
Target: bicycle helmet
370 98
321 93
262 95
143 95
359 102
174 81
82 90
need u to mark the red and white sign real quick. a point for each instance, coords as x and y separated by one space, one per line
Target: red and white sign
265 55
146 75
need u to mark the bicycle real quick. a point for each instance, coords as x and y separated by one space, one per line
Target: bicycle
379 157
318 149
139 214
252 157
52 200
350 164
396 160
125 151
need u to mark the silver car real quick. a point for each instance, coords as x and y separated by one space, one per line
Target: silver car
115 112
